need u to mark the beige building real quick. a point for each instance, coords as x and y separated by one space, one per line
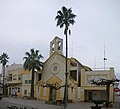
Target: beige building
94 92
14 79
1 85
26 83
19 80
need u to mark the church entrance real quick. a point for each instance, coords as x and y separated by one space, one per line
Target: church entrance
53 93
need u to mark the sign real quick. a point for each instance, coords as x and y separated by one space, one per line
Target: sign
116 89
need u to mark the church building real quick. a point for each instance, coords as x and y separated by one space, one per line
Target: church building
51 86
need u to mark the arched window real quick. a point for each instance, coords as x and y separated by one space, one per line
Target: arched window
53 47
59 45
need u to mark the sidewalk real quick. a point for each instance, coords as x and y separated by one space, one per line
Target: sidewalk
39 104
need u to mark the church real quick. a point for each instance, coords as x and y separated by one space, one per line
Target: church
51 86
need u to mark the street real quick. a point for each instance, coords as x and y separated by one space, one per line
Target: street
38 104
117 102
4 104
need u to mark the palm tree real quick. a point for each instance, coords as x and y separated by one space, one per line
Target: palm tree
32 63
65 18
3 60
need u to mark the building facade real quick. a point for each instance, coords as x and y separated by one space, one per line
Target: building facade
50 81
14 79
90 91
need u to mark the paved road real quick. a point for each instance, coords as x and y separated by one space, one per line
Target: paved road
117 102
4 104
38 104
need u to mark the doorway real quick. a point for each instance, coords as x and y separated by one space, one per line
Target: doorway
53 93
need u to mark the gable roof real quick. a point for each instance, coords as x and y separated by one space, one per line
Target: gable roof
70 59
85 67
55 53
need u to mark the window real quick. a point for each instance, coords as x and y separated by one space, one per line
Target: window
79 79
25 81
59 45
73 74
14 77
10 77
19 77
25 92
73 64
39 76
29 81
18 90
53 46
10 91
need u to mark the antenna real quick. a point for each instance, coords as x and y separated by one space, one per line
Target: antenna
72 48
94 62
104 56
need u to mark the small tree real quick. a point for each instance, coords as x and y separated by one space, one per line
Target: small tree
32 63
107 83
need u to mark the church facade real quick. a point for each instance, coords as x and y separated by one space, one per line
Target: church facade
53 75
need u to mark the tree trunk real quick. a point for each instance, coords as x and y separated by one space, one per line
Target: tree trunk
66 76
32 85
3 80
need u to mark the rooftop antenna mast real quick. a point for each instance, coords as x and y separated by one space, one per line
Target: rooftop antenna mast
104 56
72 48
94 63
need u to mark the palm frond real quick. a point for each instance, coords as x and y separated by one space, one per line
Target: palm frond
36 52
60 13
59 21
27 54
40 56
65 31
71 22
69 10
69 32
64 9
32 51
72 16
61 25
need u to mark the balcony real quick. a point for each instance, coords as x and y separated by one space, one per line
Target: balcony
14 79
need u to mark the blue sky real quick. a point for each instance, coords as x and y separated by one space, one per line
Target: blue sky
26 24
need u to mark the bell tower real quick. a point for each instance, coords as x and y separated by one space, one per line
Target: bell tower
56 45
